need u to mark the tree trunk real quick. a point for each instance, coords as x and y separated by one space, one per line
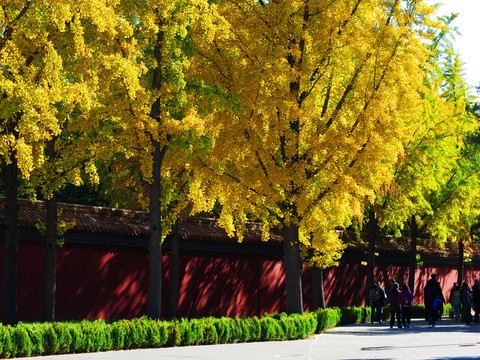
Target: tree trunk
155 241
372 234
293 270
50 276
413 254
318 288
10 266
50 271
174 277
460 263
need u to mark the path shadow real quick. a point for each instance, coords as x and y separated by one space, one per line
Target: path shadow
417 326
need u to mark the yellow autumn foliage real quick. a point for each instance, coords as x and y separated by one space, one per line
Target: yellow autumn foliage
327 90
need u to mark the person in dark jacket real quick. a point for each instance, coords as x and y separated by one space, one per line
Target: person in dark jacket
377 302
432 291
456 301
476 300
467 303
391 282
395 309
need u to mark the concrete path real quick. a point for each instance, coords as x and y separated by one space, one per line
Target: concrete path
448 340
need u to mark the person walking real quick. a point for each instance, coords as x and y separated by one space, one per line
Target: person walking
476 300
395 309
377 302
467 303
432 291
455 301
391 282
405 299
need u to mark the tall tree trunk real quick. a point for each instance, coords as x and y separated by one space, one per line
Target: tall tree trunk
50 271
372 234
413 254
50 275
10 265
460 263
174 277
155 241
318 288
293 270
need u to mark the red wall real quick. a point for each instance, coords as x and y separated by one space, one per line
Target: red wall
90 283
345 284
97 283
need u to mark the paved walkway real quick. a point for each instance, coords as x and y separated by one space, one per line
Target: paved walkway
448 340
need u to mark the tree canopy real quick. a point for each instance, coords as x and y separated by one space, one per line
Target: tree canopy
326 89
296 113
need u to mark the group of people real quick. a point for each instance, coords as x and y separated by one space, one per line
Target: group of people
400 297
463 300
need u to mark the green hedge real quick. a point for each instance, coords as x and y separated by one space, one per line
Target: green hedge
34 339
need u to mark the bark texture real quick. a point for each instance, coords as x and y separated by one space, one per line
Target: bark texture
10 264
293 270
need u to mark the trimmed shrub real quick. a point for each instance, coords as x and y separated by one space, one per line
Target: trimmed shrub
135 334
271 329
35 333
224 327
2 339
6 345
192 332
156 334
64 337
446 309
174 334
118 335
242 330
328 318
162 334
255 329
289 327
366 314
78 339
311 323
210 334
351 315
299 328
50 340
22 342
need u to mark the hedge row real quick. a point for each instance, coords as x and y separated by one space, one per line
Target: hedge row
35 339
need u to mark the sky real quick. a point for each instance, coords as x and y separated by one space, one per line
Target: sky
468 43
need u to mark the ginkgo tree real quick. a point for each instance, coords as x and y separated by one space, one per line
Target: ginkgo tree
91 61
437 165
29 90
454 202
157 118
115 85
326 89
54 57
